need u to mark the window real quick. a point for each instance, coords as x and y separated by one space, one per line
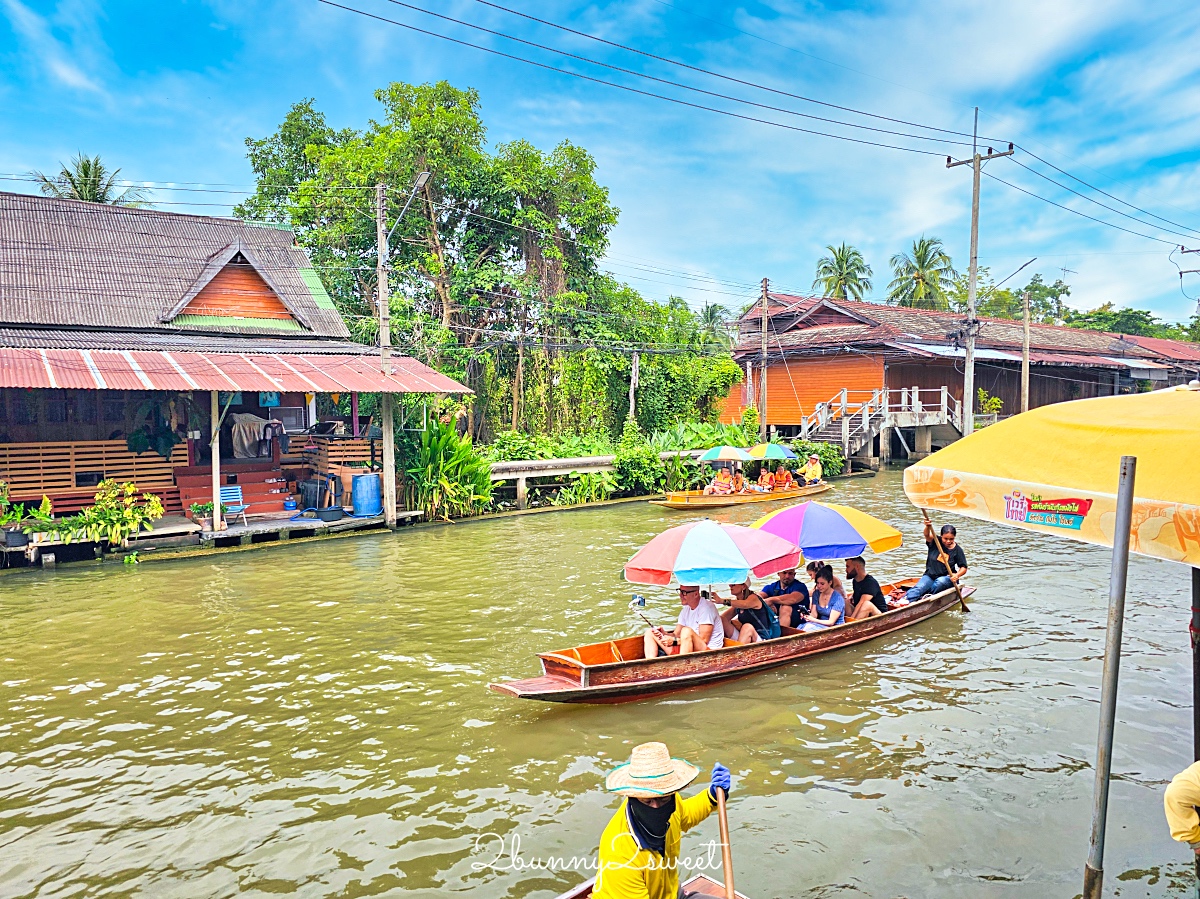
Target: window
85 406
24 407
114 407
56 406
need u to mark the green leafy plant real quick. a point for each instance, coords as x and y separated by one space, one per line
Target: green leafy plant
750 423
589 487
131 558
682 473
161 420
205 510
116 515
513 446
988 404
637 466
447 478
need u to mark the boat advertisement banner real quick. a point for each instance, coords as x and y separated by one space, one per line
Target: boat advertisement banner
1166 530
1057 513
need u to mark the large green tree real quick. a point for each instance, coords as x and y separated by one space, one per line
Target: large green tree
843 274
1046 301
923 276
87 178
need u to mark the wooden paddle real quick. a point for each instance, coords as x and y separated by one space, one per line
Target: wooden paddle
726 853
944 558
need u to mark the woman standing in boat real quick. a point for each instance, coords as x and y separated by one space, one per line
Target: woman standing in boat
828 603
639 849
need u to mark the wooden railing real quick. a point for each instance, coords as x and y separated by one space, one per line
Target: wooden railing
32 470
323 453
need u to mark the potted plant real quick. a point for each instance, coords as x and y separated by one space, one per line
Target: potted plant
202 514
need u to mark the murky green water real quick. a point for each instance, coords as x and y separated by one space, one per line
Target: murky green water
313 720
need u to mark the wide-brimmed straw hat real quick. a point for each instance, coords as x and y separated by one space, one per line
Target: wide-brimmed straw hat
650 772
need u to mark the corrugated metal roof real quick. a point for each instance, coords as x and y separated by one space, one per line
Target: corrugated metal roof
55 338
190 370
68 263
960 352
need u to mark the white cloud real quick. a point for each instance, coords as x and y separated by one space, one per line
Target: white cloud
46 49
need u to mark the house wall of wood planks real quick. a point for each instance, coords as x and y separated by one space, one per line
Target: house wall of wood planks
794 389
237 291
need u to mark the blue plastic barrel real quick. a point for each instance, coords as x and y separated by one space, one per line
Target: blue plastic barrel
365 494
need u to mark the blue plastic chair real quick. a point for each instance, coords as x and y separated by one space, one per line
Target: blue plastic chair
233 502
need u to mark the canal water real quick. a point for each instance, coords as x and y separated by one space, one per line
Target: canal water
313 720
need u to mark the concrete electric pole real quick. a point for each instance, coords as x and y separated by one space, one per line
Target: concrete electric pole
386 417
762 360
976 162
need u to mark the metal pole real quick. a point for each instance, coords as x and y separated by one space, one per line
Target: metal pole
762 393
387 418
1093 874
1195 633
1025 357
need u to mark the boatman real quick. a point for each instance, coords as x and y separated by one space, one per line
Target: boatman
937 577
1180 803
639 849
813 471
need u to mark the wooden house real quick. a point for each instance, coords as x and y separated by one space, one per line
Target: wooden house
832 359
110 313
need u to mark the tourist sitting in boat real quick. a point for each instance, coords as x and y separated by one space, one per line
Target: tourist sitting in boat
738 484
788 597
868 598
783 478
722 483
639 849
699 628
936 578
749 617
766 480
813 568
812 470
828 603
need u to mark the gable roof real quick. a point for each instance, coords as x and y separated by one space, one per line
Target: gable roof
70 264
810 322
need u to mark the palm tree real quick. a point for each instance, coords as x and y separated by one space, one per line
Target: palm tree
922 277
87 178
714 325
843 274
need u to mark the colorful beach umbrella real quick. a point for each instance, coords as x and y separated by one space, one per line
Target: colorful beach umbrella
706 552
771 451
830 530
726 454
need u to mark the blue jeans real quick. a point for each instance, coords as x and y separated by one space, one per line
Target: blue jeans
928 585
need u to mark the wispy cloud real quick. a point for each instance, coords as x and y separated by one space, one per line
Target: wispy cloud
46 50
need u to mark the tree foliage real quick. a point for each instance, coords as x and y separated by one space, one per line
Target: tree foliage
87 178
1046 301
922 277
843 274
495 274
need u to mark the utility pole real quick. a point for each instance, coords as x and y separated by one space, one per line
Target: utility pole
385 342
976 162
1025 357
1182 272
762 361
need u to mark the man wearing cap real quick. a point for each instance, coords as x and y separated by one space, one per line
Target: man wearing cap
812 470
639 849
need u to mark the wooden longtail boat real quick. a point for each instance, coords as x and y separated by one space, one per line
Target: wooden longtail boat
698 886
615 671
695 499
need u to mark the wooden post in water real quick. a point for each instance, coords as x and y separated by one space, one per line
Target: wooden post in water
1093 873
215 410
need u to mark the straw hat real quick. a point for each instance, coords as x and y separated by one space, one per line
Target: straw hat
814 456
650 772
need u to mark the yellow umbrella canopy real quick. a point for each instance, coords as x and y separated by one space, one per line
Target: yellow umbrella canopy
1054 469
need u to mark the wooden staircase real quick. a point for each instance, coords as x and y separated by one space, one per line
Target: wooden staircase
264 487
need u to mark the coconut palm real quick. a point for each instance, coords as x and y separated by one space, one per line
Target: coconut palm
922 277
88 179
714 324
844 273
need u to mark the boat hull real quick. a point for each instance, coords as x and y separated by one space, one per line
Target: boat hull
683 500
700 885
614 672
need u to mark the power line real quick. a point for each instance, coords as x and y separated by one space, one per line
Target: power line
622 87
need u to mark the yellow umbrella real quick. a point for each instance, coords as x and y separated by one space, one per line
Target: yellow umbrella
1054 470
1117 471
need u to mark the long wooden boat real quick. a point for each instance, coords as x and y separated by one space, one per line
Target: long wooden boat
695 499
615 671
698 886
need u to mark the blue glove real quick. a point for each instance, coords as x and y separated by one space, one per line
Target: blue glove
721 779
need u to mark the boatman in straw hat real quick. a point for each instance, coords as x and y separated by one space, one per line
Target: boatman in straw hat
639 849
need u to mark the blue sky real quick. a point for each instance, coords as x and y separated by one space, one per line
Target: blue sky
1105 89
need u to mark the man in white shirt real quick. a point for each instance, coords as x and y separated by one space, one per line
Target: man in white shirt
699 628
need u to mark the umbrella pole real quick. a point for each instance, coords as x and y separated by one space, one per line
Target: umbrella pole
1194 630
1093 874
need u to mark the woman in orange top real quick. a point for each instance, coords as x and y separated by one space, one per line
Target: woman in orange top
783 478
765 480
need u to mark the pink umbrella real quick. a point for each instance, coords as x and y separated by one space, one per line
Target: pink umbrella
705 552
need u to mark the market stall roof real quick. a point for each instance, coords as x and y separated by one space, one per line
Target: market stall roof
182 370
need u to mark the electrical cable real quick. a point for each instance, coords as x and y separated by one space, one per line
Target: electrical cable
623 87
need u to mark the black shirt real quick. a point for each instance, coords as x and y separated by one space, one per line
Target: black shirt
763 619
868 586
933 566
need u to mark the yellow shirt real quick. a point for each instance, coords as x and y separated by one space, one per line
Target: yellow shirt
626 871
812 471
1180 803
